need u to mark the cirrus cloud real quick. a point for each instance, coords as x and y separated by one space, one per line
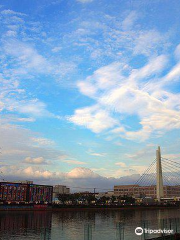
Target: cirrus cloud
121 93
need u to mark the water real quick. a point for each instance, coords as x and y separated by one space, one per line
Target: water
70 225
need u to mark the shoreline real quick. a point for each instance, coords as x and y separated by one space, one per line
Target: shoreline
115 208
79 209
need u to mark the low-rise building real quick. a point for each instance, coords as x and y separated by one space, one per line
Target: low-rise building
59 189
105 194
40 193
145 191
23 181
14 192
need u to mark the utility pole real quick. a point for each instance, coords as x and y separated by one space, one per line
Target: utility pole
94 192
159 178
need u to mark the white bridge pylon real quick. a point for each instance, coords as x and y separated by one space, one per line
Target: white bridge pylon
159 177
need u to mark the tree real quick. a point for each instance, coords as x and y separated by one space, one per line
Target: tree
128 199
63 198
113 199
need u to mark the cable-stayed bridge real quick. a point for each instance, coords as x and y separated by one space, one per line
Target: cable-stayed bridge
162 173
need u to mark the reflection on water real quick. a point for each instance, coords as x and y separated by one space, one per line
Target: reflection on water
25 225
70 225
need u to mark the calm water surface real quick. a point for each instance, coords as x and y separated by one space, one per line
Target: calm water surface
71 225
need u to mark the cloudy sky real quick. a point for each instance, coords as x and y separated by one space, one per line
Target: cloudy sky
88 88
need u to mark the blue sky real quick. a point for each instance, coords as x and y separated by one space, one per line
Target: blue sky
88 88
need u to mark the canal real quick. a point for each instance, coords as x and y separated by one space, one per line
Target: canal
85 225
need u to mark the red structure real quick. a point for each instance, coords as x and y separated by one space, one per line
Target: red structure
24 192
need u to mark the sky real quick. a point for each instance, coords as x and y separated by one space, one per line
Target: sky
88 89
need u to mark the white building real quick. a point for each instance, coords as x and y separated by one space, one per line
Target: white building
59 189
105 194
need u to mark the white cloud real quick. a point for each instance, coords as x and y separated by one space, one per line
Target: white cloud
32 107
1 106
129 21
12 97
120 93
82 173
177 52
173 157
97 154
19 119
42 141
119 37
38 160
18 143
11 12
56 49
121 164
147 153
174 74
26 63
93 118
147 42
63 157
27 56
130 170
80 177
30 171
14 152
11 33
104 78
74 162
